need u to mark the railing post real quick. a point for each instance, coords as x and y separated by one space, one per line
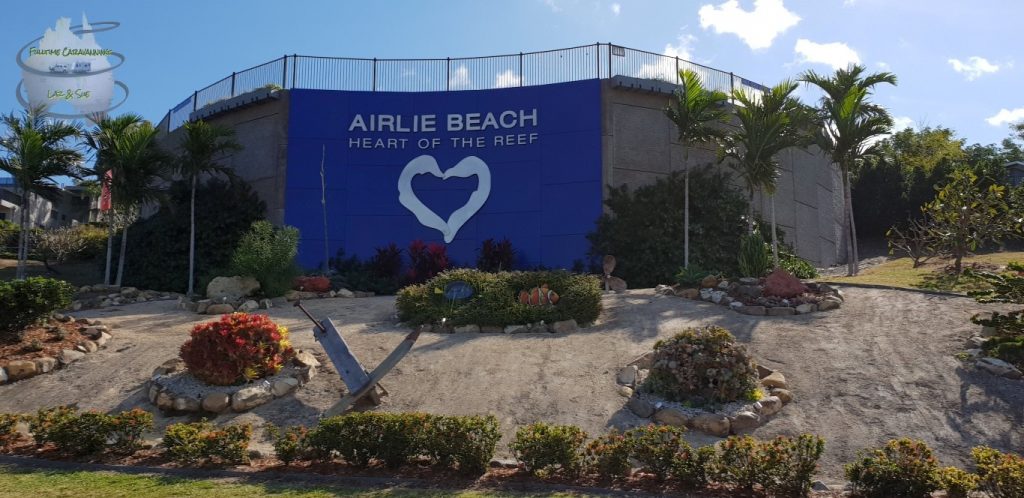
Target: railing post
609 60
597 58
232 83
295 68
284 71
195 100
520 69
448 74
677 69
732 87
169 113
374 87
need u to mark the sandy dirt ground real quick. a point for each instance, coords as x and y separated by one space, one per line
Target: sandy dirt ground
880 367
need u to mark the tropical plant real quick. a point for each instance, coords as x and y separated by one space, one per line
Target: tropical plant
769 123
848 123
36 150
753 258
267 254
698 114
203 147
238 347
722 371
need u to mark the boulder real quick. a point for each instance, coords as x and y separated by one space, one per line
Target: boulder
202 305
92 332
266 304
3 376
688 293
803 309
709 281
248 398
220 309
752 310
763 371
284 386
768 406
185 404
671 416
69 355
749 281
976 341
45 364
640 407
306 359
102 339
627 375
775 380
716 296
216 402
744 421
780 283
994 366
724 285
129 292
751 291
345 293
781 311
829 303
564 326
715 424
705 294
231 288
515 329
249 306
21 369
467 329
87 346
491 329
783 394
294 295
164 401
614 284
625 391
664 290
169 366
154 391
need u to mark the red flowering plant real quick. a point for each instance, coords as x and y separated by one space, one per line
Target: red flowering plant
237 348
312 283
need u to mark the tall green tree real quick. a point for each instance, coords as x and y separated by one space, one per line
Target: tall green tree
203 147
698 114
36 150
769 123
848 125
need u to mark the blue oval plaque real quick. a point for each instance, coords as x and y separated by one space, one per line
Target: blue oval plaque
458 290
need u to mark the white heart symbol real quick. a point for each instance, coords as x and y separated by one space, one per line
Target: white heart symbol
466 168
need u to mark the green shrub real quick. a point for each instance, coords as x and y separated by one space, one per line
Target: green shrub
127 428
694 467
354 437
402 437
24 302
721 372
957 483
791 464
542 447
192 443
496 256
95 238
797 266
466 441
267 254
755 257
47 423
656 447
8 428
9 236
904 468
608 456
495 302
1002 474
157 253
743 462
643 227
290 444
1008 349
381 274
692 275
89 432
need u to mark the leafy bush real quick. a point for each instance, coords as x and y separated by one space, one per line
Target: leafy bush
694 467
957 483
656 447
59 244
1005 287
88 432
904 468
755 256
24 302
9 236
267 254
1002 474
692 275
791 464
157 253
386 265
236 348
494 300
1008 349
192 443
496 256
797 266
95 238
290 444
644 227
542 447
127 428
704 363
608 455
426 261
743 461
381 274
8 428
467 441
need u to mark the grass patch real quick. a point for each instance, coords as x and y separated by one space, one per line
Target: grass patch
17 482
932 275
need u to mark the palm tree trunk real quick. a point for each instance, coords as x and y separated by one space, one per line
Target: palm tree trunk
775 237
110 246
750 210
853 228
686 206
22 237
192 241
120 259
847 209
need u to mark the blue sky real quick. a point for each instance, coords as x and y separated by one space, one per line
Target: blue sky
956 61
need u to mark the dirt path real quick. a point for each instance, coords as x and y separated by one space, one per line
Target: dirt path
880 367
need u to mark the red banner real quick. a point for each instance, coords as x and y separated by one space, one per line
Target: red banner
105 195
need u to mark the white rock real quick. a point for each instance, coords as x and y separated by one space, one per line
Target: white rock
284 386
516 329
806 308
251 397
345 293
625 391
266 304
249 306
3 375
716 296
627 375
768 406
468 329
231 288
995 366
705 294
216 402
563 326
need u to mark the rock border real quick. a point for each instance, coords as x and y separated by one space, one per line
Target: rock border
734 418
541 327
117 296
98 337
248 305
744 297
227 399
994 366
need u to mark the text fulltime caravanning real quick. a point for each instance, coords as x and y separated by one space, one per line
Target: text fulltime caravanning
427 123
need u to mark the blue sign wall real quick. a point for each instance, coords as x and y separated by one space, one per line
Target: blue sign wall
454 168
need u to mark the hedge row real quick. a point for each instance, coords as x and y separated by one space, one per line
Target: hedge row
495 299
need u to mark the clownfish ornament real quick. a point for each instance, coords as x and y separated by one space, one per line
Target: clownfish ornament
538 296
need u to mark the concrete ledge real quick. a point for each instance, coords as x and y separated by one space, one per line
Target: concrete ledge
243 100
890 287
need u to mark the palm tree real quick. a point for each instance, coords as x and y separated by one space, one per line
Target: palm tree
202 148
698 114
101 140
768 124
849 124
36 149
139 166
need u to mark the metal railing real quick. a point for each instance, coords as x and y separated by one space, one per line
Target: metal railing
600 60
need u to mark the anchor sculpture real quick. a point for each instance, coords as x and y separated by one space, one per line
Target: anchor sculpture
359 381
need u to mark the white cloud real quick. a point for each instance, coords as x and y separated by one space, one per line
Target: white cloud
616 8
506 79
757 28
900 123
460 78
665 68
835 54
974 68
884 66
1006 116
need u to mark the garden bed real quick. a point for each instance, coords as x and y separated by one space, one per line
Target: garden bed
44 348
779 294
